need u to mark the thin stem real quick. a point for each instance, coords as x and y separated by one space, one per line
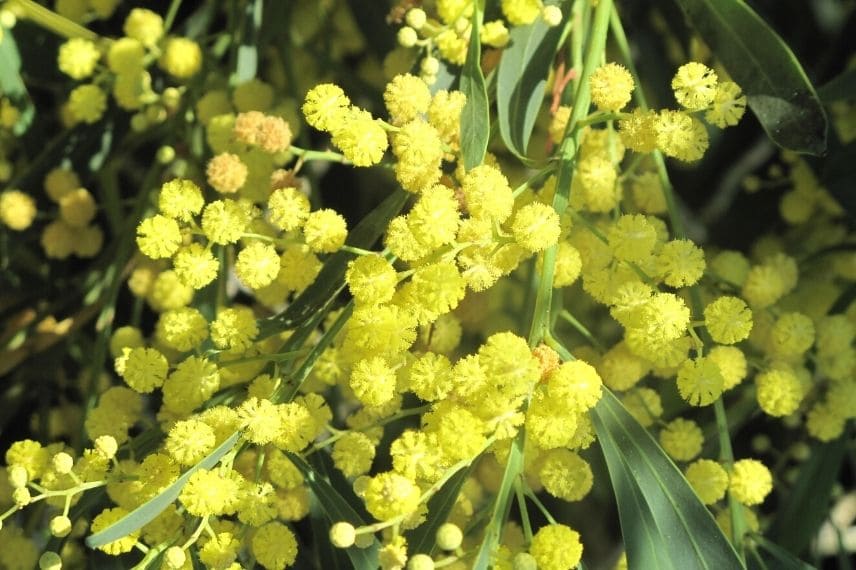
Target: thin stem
582 329
524 511
328 155
52 21
531 494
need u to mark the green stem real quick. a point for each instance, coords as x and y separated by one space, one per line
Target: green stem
52 21
582 329
531 494
524 511
170 15
329 155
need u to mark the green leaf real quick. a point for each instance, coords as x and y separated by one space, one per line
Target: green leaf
841 87
774 556
11 83
475 116
837 171
502 503
663 522
806 505
331 279
761 63
337 509
146 512
522 79
247 58
423 537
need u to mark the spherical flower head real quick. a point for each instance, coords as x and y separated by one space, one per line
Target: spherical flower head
208 493
195 266
257 265
487 193
680 263
77 208
779 391
708 479
182 329
260 420
508 361
430 377
274 546
565 474
694 85
664 316
825 421
536 226
299 268
521 12
576 384
680 135
180 199
342 534
193 381
226 173
145 369
390 495
611 87
648 194
288 208
632 238
792 335
444 114
568 265
158 237
556 547
62 463
728 106
728 320
360 137
700 382
325 106
371 279
731 266
59 182
451 10
143 25
597 176
106 446
234 328
449 536
406 97
419 150
373 381
60 526
87 103
78 58
224 221
220 550
434 220
189 441
732 364
106 518
353 454
126 56
682 439
181 58
325 231
58 240
17 210
253 95
751 481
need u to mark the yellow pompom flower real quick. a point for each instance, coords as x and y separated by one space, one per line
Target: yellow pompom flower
708 479
371 279
59 182
680 135
373 381
234 328
180 199
145 369
576 384
353 454
158 237
430 377
195 266
182 329
260 420
257 265
189 441
274 546
325 231
728 105
556 547
565 474
406 97
181 58
732 364
359 136
694 85
750 482
597 177
536 226
143 25
792 335
444 115
126 56
611 87
728 320
298 268
390 495
521 12
779 391
700 382
192 382
288 208
325 106
208 493
434 218
224 221
419 150
17 209
78 58
682 439
825 422
487 193
638 131
87 103
77 208
226 173
106 518
680 263
632 238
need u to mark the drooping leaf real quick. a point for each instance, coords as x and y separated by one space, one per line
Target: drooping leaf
146 512
522 79
663 522
475 117
762 64
843 86
423 537
806 505
337 509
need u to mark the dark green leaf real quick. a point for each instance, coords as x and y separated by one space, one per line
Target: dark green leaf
422 538
331 279
522 79
774 556
327 555
337 509
663 522
806 505
841 87
475 117
776 87
146 512
837 172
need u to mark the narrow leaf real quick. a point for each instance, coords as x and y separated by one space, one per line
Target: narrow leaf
423 537
837 171
777 557
146 512
337 509
775 84
522 79
247 62
663 522
841 87
475 117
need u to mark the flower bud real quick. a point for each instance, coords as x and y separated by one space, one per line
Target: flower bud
342 534
21 496
449 536
107 446
407 37
18 476
50 561
552 16
175 557
63 463
416 18
60 526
